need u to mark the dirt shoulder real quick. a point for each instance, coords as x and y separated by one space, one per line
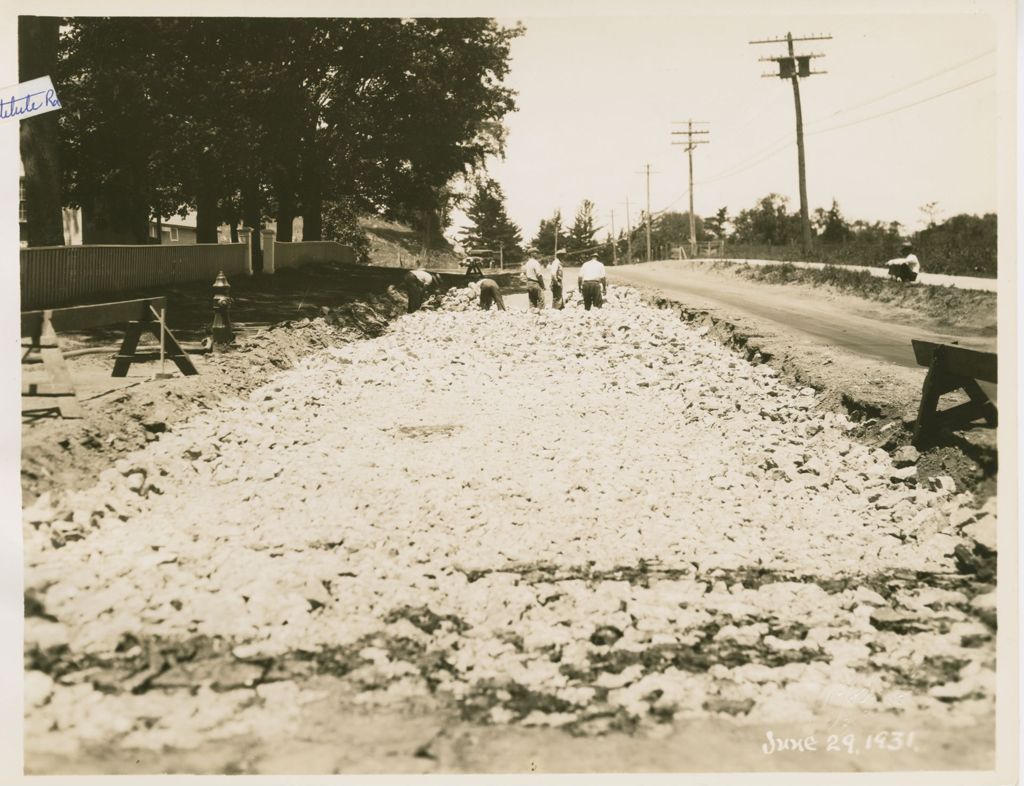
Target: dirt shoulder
941 308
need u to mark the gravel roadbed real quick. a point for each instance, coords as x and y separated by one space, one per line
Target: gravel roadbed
602 522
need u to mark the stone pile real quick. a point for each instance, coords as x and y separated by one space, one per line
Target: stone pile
462 298
592 521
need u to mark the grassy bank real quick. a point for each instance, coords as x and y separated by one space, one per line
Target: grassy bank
964 308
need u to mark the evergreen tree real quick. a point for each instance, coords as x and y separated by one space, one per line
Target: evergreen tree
834 228
583 229
491 227
716 224
545 237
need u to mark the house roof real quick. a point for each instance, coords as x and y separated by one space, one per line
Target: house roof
189 221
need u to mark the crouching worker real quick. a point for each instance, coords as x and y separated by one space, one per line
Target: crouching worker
419 285
490 292
906 267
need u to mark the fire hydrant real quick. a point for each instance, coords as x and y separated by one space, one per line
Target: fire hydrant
221 330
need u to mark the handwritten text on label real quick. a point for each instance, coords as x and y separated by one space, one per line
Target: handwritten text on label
34 97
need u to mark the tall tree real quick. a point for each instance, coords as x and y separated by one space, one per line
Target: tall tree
290 113
672 229
490 227
38 38
549 229
717 224
767 222
583 231
833 227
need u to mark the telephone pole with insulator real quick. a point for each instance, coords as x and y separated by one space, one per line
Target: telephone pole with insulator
794 67
690 144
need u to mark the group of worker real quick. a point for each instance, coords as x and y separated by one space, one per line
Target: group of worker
591 281
592 284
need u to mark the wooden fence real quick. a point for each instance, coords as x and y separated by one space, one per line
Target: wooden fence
56 276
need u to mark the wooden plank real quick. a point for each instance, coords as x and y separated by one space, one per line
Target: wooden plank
962 415
127 351
84 317
958 360
929 401
173 351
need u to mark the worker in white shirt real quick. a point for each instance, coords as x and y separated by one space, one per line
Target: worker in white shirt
555 274
533 272
592 283
905 267
419 284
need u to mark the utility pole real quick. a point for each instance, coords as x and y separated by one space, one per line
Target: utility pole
615 243
793 66
629 236
648 168
690 144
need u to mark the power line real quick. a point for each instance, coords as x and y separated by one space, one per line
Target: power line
904 87
768 153
905 106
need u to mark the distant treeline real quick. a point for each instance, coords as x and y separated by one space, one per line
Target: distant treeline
963 245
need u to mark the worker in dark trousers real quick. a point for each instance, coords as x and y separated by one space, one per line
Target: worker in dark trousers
533 272
555 273
592 283
420 284
490 292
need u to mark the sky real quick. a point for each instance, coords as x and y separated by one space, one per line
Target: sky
598 96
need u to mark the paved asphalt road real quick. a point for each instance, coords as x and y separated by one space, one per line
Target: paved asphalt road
820 319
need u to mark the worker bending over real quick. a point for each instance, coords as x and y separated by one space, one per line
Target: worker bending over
419 285
490 292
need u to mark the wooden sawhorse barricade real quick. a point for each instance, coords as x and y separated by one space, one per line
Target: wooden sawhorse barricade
953 368
41 344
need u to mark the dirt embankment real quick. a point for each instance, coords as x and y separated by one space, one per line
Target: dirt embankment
942 308
60 455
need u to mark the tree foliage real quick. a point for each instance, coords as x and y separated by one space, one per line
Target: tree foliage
831 226
962 245
243 118
547 231
717 225
39 135
581 235
768 222
491 228
341 224
672 229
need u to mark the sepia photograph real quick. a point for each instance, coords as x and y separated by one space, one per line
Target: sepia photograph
513 388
